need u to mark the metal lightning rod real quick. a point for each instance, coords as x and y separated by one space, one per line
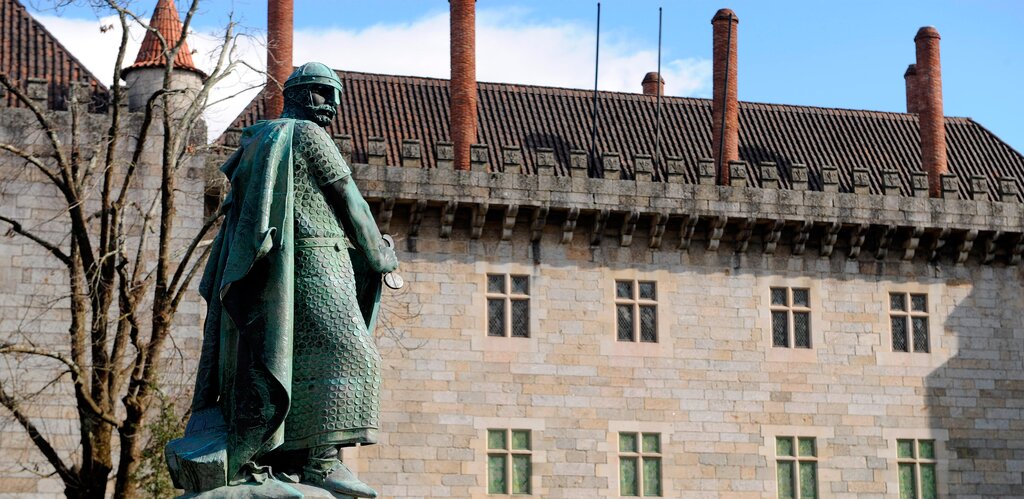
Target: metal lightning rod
595 115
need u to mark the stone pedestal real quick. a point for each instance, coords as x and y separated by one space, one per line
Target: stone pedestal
270 489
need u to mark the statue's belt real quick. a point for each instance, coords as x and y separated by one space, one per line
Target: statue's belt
338 243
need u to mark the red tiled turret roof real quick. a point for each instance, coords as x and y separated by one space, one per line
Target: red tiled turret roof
151 53
530 117
28 50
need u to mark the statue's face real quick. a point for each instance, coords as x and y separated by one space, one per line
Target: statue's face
322 106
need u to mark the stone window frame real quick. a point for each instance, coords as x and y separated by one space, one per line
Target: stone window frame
507 348
509 297
822 435
609 344
670 453
916 462
892 436
539 467
641 455
907 315
818 323
798 459
938 295
791 308
507 453
637 303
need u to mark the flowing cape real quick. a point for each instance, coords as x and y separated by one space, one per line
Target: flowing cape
245 367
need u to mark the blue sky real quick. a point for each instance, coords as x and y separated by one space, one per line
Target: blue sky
835 54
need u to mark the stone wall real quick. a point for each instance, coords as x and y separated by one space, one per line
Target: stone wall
33 288
713 386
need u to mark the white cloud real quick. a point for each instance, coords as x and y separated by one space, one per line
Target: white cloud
510 48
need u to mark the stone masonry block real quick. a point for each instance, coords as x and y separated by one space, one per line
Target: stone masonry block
919 184
643 167
445 154
675 169
38 90
478 157
344 143
738 173
1007 189
829 179
798 176
376 151
511 159
861 181
706 171
950 187
611 165
411 153
769 173
891 182
979 187
578 162
545 160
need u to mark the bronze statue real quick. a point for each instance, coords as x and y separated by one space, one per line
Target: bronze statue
293 286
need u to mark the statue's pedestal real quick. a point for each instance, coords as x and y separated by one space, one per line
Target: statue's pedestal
270 489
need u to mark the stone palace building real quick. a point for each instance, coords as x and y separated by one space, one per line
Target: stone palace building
760 300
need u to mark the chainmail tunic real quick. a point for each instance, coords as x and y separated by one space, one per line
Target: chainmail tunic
336 367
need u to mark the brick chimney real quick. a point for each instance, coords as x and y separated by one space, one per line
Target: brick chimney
724 141
910 76
463 82
653 84
280 28
929 102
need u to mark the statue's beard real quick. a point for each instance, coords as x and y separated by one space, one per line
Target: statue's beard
323 114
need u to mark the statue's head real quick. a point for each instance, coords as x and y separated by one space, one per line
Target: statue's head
312 92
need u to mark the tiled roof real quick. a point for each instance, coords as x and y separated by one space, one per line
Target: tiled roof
28 50
151 54
403 107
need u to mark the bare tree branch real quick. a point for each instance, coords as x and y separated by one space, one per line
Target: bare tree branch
48 246
37 438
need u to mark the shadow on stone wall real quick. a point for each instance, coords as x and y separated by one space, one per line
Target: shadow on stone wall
978 395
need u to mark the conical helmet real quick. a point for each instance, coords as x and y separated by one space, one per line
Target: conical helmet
315 73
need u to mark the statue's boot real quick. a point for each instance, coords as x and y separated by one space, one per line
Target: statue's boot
326 471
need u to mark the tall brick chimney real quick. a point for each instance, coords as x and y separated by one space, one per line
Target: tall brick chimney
724 132
930 117
463 79
280 27
653 84
910 76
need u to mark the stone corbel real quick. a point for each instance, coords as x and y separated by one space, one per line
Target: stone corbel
1018 249
771 239
628 227
569 225
857 240
910 247
715 232
828 243
884 241
540 218
802 235
597 231
387 209
478 219
686 231
509 222
964 248
937 244
743 238
658 225
448 218
416 217
991 246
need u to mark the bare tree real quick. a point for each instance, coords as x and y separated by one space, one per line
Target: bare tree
127 266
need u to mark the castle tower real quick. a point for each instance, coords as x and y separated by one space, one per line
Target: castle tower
146 76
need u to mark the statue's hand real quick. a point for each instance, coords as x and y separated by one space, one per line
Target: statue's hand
386 260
